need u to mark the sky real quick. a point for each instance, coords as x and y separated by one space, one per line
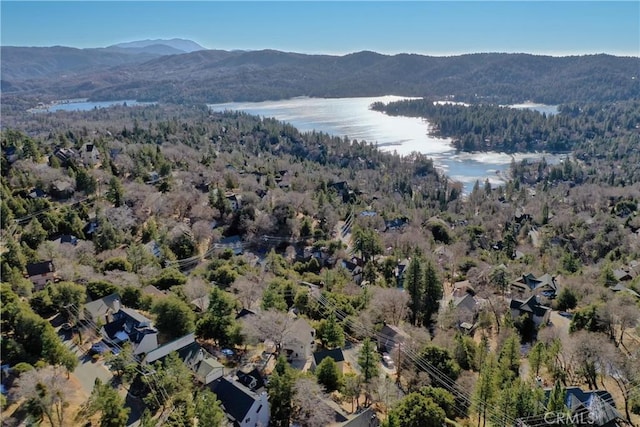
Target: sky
335 27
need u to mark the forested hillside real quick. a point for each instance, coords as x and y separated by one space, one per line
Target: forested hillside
43 74
194 217
488 127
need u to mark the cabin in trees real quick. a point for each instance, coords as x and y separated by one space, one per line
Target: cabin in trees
235 201
41 273
129 325
390 337
528 284
336 354
205 367
584 408
466 309
530 308
90 155
242 406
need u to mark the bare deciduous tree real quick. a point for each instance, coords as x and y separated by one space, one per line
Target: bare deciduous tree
308 406
197 290
202 231
248 290
390 305
269 325
48 390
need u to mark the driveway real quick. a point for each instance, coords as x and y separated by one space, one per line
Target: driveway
88 371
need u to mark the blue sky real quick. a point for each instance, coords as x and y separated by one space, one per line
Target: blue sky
434 28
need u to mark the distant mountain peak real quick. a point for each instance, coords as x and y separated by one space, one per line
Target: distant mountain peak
183 45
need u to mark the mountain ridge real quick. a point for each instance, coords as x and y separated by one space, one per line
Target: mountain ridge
184 45
220 76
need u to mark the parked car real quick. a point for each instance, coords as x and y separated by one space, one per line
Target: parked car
101 348
388 361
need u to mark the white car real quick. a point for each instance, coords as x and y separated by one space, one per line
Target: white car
388 361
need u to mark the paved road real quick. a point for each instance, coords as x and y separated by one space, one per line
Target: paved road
88 371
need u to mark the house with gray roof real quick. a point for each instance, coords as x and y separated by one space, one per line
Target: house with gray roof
529 284
530 308
127 325
391 336
336 354
101 310
466 308
242 406
205 367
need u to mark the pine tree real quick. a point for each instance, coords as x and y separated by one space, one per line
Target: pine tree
485 391
329 375
115 193
208 410
368 360
510 357
106 400
536 357
556 399
280 391
432 294
331 333
414 284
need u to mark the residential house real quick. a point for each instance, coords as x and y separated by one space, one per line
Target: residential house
354 269
235 201
101 310
395 224
336 354
205 367
529 284
299 341
41 273
232 242
621 288
129 325
65 155
67 238
164 350
585 408
62 189
37 193
531 308
466 309
391 336
463 288
90 155
242 406
622 275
